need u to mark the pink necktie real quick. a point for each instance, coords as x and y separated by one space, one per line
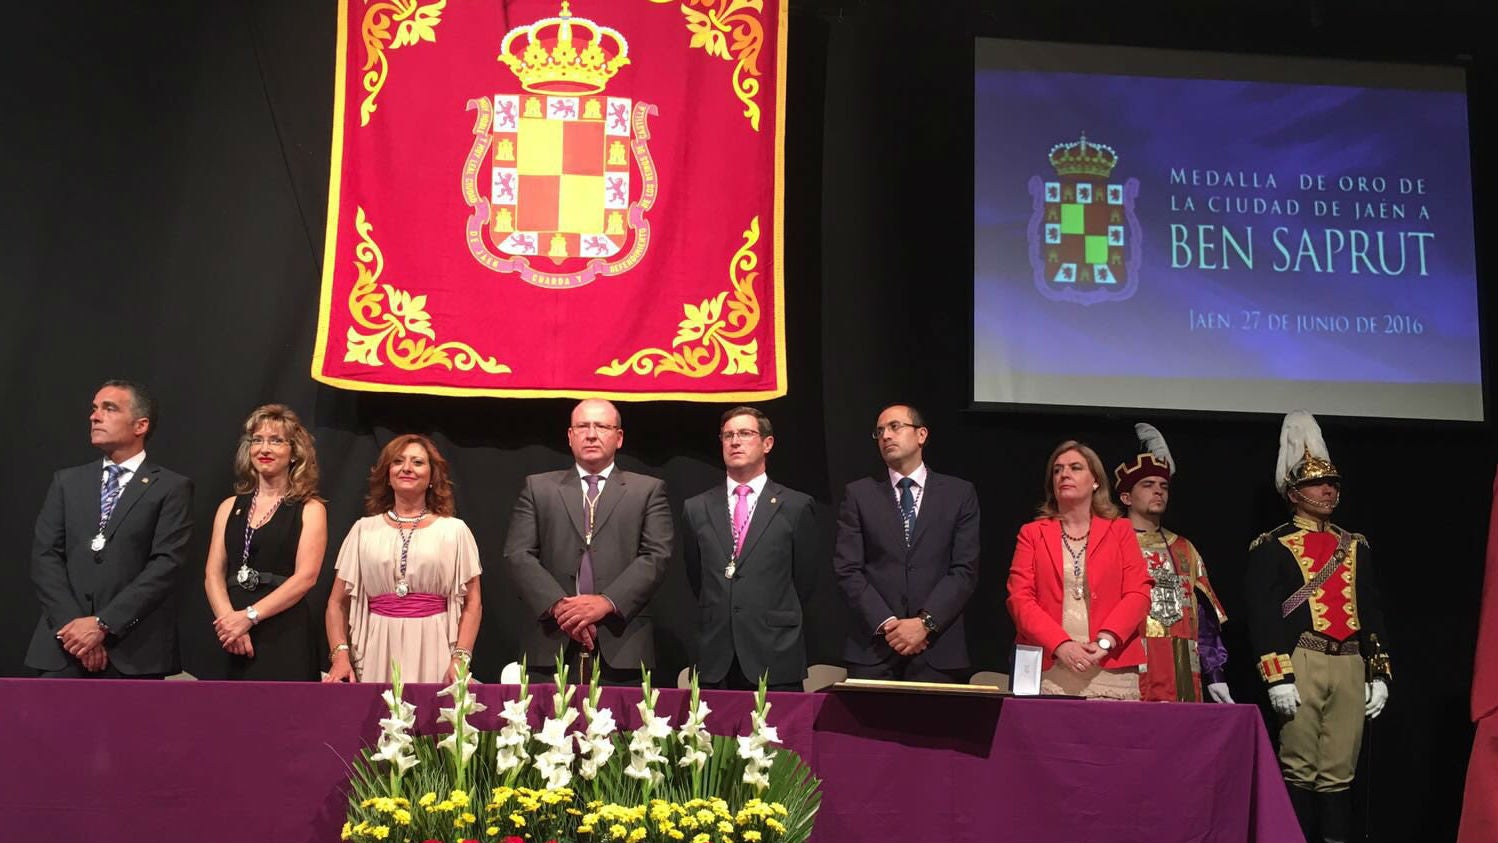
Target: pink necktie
740 518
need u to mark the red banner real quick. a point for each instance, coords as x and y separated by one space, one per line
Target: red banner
541 198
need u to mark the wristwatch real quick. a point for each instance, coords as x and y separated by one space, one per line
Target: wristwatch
253 614
103 627
928 622
1104 643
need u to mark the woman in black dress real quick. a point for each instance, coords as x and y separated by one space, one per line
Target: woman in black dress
267 549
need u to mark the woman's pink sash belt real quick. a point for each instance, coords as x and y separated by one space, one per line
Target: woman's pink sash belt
414 605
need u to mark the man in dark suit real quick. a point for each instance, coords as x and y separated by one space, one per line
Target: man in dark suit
109 541
587 548
750 549
907 561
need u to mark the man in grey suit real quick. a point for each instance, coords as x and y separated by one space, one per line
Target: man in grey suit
907 561
109 541
751 550
587 548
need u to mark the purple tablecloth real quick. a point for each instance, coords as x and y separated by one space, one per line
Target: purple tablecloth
191 761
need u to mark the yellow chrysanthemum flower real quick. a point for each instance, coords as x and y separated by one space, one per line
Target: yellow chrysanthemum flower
676 834
492 831
585 829
704 837
775 826
347 832
617 832
637 835
380 832
517 819
751 836
427 799
401 816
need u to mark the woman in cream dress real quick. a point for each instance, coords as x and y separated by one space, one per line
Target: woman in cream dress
407 585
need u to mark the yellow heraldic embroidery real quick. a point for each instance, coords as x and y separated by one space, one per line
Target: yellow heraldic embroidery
407 316
706 338
711 30
417 23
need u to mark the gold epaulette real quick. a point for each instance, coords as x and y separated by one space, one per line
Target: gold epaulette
1263 537
1359 538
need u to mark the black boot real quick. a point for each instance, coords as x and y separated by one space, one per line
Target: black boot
1336 816
1304 803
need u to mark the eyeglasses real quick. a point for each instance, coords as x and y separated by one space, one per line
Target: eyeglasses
894 427
582 429
738 435
274 442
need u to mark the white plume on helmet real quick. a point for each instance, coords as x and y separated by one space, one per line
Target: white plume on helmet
1299 435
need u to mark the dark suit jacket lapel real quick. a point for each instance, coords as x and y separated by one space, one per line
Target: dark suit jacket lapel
717 516
570 487
764 512
613 492
140 481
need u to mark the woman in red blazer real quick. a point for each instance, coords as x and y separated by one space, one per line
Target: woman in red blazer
1078 585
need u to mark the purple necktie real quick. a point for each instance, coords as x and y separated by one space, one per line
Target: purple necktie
740 518
585 565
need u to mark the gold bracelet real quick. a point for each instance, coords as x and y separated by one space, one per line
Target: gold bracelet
333 653
462 653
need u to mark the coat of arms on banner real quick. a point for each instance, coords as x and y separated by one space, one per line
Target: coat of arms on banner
1084 236
559 177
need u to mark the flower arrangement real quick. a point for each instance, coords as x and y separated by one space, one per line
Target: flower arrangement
579 778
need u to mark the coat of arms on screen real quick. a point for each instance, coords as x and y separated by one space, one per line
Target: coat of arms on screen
559 177
1084 237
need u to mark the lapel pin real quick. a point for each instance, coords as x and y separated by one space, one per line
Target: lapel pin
145 480
774 500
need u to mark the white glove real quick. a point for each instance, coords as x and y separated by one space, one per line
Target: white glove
1375 695
1218 691
1284 699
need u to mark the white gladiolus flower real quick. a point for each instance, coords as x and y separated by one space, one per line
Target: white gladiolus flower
595 745
394 745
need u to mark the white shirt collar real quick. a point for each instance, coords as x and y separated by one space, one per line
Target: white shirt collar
756 485
583 472
919 476
131 465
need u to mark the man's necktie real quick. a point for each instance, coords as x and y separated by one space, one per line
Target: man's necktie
110 494
907 506
740 518
585 565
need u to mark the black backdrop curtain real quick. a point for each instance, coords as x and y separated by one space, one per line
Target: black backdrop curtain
166 170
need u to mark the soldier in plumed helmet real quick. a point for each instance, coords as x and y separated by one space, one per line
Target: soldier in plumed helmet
1316 626
1183 632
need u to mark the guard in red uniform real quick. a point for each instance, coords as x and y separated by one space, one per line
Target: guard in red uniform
1316 625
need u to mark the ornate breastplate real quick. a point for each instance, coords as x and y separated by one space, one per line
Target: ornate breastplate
1167 606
